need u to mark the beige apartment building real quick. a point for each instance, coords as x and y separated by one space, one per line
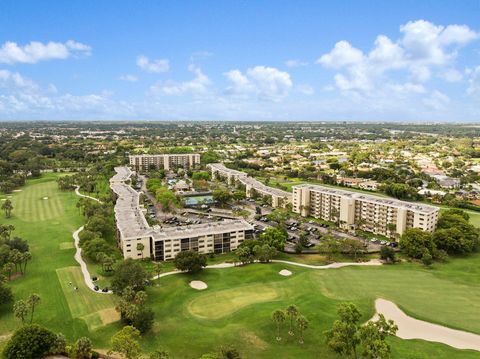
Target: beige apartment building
164 161
352 210
252 186
165 243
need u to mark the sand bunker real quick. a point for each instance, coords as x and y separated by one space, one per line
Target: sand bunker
17 190
45 198
198 285
410 328
285 272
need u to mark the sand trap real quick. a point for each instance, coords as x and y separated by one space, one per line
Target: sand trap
285 272
17 190
198 285
45 197
410 328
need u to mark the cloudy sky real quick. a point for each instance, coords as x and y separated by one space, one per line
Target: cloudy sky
240 60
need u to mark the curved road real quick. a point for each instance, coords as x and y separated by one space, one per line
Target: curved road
78 253
408 327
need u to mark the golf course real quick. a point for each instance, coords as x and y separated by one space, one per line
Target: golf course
236 307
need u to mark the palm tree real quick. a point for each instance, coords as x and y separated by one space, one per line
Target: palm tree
140 247
20 310
7 207
33 300
278 317
157 268
26 256
302 325
292 312
9 267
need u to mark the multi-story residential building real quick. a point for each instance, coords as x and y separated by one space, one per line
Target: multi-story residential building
164 161
165 243
252 186
352 210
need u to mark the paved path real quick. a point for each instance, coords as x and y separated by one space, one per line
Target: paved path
77 192
373 262
410 328
78 254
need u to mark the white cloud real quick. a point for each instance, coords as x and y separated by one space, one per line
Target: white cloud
306 89
197 86
343 54
155 66
295 63
129 78
438 101
451 75
261 81
33 52
423 48
473 81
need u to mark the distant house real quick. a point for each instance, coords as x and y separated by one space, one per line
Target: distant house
369 185
446 181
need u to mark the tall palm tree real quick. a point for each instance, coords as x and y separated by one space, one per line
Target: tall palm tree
26 256
33 300
7 206
292 312
302 325
20 310
9 267
278 317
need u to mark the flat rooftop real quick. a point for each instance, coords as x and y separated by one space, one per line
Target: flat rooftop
132 224
412 206
204 229
221 167
259 186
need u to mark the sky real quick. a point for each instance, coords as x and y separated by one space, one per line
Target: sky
257 60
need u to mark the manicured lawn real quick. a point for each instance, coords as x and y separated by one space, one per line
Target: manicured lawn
48 225
237 305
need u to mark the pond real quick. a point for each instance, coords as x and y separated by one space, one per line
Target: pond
196 200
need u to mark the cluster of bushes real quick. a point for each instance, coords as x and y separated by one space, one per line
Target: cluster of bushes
99 226
252 250
454 236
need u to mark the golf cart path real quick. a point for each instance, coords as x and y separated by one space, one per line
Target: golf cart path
373 262
411 328
77 192
78 253
83 266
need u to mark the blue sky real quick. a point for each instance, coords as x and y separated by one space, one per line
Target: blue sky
240 60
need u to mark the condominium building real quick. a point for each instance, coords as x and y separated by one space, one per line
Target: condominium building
352 210
164 161
165 243
252 186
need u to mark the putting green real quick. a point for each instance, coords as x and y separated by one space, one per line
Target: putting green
95 310
217 305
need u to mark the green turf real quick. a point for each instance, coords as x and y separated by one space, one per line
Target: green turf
238 314
236 308
48 226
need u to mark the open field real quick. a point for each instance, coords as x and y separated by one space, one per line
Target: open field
48 225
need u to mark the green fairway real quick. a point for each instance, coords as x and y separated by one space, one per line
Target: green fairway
96 310
48 225
238 303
